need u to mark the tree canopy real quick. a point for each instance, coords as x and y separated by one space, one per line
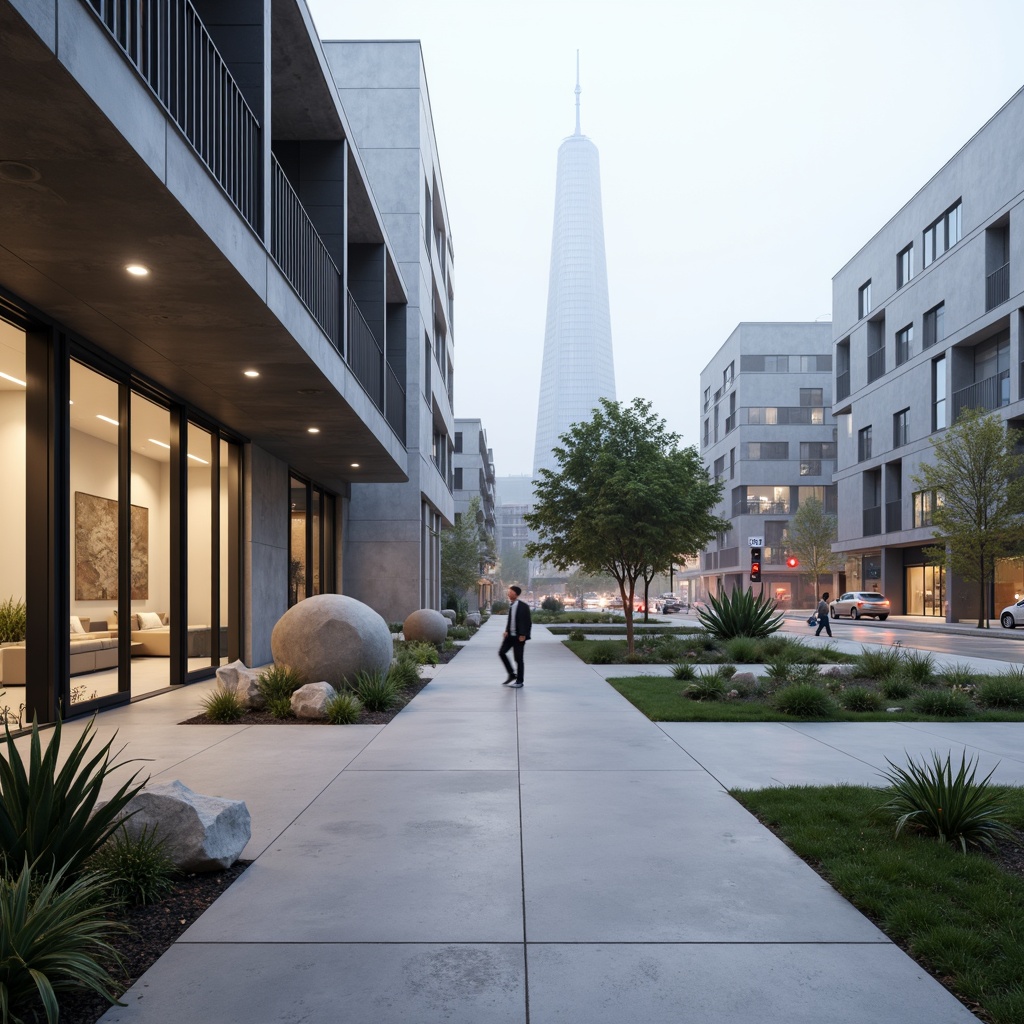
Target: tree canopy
812 532
978 477
625 500
465 548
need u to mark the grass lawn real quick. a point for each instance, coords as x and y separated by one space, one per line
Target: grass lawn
960 916
640 629
661 699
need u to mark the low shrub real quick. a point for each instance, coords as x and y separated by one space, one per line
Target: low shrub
780 668
953 808
745 650
280 707
604 654
459 633
684 670
740 613
860 698
137 870
726 672
944 703
668 649
918 667
552 604
277 682
709 687
396 627
897 687
405 670
636 658
377 690
424 652
804 700
499 607
577 635
958 675
344 708
878 664
13 621
1002 692
224 706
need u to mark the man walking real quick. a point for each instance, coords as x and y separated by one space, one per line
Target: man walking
822 614
517 632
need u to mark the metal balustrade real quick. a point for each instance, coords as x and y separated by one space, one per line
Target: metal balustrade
842 386
366 357
893 516
872 521
991 393
997 287
876 364
170 47
394 404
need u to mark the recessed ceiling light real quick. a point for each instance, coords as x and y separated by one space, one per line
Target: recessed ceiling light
354 465
107 419
137 270
13 380
153 440
251 373
195 458
312 430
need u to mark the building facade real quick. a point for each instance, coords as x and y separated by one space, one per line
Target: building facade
578 369
393 538
927 322
767 434
204 342
473 467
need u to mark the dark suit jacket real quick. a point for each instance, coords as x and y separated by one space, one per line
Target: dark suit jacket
524 621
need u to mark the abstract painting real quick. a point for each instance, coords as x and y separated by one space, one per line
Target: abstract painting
96 549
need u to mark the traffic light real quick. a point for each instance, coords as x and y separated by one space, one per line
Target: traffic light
755 565
792 562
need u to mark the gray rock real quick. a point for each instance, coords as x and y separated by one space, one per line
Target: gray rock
743 679
242 681
449 614
333 638
838 671
310 701
199 833
473 619
426 624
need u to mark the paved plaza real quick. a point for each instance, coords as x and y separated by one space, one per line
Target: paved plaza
540 855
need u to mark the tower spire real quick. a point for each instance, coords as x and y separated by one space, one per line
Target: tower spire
578 92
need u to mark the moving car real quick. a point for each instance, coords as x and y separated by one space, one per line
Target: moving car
668 605
860 604
1012 615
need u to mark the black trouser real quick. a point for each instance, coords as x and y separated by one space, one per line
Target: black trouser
823 623
517 647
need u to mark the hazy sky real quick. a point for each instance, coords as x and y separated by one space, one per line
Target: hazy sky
748 149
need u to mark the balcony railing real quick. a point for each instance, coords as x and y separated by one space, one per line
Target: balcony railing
876 364
872 521
366 357
394 404
302 256
997 287
730 423
991 393
171 49
842 385
893 516
761 508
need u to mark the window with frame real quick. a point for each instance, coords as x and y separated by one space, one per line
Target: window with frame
864 300
707 398
732 463
905 266
900 428
767 450
719 469
811 396
934 325
904 342
727 375
924 504
458 441
707 431
458 478
943 234
864 444
815 364
939 393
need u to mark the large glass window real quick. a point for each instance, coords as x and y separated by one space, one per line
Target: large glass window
939 393
926 590
904 266
297 562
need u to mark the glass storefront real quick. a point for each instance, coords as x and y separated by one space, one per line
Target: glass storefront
1009 587
926 590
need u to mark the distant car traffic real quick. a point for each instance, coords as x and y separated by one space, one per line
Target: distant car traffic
859 604
1012 615
669 605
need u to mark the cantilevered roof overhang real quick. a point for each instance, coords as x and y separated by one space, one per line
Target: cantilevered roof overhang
93 176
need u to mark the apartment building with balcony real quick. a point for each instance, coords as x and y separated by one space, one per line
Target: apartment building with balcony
768 436
926 323
474 476
393 534
205 342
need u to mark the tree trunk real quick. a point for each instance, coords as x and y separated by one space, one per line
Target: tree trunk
627 611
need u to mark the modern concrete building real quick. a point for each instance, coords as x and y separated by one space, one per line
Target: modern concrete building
392 540
927 322
205 341
578 369
514 498
473 465
768 436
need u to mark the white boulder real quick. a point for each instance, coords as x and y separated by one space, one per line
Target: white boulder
449 614
310 701
426 624
473 619
242 681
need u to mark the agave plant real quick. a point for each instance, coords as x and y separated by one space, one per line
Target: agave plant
740 614
49 817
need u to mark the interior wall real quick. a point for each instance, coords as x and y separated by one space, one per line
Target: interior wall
12 495
199 530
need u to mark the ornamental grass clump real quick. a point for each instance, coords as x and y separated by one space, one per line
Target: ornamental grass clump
684 670
53 938
13 621
49 817
344 708
918 667
943 703
224 706
744 650
877 664
276 686
929 798
137 870
860 698
805 700
377 690
958 675
740 613
405 670
897 687
1005 692
709 687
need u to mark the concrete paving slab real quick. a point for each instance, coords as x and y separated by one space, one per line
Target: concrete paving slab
444 741
559 698
595 741
1002 739
239 983
386 857
665 856
776 983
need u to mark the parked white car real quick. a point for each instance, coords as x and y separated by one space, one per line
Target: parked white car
860 604
1012 615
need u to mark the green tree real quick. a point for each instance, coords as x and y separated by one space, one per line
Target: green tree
513 567
978 477
626 498
812 532
465 549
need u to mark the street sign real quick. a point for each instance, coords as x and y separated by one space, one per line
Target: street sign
755 542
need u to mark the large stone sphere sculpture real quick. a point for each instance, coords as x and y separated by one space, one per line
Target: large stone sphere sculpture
426 624
331 637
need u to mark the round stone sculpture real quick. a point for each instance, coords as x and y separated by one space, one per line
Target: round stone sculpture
331 637
426 624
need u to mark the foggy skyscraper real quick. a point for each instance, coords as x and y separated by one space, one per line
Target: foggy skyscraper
578 368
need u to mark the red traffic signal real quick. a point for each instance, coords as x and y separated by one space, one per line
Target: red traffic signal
755 565
792 562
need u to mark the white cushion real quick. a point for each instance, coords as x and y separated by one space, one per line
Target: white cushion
76 625
150 620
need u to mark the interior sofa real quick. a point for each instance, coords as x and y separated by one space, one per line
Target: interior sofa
90 650
154 637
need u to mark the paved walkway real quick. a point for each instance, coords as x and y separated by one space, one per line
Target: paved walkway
532 856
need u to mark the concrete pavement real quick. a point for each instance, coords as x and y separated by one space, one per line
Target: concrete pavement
540 855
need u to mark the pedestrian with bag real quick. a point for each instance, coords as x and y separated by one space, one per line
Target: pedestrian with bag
822 613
